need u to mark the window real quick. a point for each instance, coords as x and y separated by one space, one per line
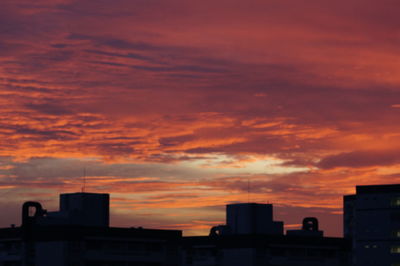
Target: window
395 202
395 249
396 233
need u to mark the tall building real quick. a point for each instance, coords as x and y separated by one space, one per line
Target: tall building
372 221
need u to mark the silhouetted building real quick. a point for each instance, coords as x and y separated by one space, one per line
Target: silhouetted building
79 235
372 220
64 245
261 250
252 218
251 238
87 209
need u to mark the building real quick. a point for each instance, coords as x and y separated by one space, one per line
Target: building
372 221
89 209
89 246
79 235
261 250
251 237
252 218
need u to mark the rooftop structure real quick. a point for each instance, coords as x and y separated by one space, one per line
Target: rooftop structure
249 218
310 228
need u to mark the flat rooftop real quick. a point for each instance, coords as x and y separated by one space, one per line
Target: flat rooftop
377 189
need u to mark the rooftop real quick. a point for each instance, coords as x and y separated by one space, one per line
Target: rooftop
373 189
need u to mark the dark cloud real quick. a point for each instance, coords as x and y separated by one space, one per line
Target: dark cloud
118 43
128 55
45 134
172 141
359 159
49 108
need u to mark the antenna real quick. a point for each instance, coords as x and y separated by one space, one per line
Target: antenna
84 180
248 189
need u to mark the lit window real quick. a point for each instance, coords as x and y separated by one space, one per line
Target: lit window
366 246
395 202
374 246
396 233
395 249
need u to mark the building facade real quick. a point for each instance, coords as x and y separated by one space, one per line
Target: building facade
372 221
262 250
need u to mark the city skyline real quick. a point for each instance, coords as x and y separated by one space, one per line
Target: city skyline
178 108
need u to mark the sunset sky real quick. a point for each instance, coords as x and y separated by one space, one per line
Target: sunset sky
177 107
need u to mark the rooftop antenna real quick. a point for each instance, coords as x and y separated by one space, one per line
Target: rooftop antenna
248 189
84 180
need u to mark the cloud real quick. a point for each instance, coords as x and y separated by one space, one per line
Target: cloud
359 159
49 108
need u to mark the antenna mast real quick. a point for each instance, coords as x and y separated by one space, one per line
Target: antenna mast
248 189
84 180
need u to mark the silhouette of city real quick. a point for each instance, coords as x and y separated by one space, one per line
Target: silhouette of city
78 234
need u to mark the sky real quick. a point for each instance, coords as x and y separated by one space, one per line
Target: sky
177 108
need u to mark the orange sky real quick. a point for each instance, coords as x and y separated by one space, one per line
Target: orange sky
175 106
